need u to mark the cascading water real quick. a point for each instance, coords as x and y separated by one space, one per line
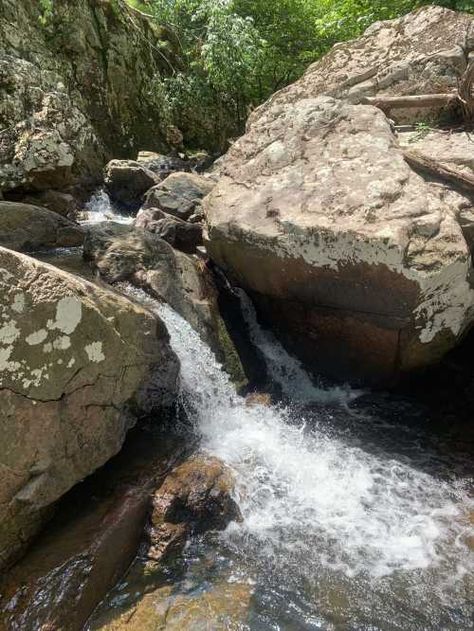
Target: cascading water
99 208
338 533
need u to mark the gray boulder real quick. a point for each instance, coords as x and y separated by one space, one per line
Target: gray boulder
179 194
126 182
25 228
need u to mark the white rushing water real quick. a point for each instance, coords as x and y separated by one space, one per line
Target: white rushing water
315 505
99 208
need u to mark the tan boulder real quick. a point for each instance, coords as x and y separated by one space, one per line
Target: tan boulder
78 364
25 227
423 52
359 263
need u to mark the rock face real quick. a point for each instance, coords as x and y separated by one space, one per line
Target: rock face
359 263
179 194
424 52
79 364
25 227
127 181
88 70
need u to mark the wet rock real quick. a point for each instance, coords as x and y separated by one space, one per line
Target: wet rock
179 194
79 365
219 608
183 235
26 227
124 253
126 182
197 493
72 567
358 262
258 398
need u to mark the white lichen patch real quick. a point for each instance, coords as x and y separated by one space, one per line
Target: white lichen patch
18 304
68 315
62 343
37 337
94 352
9 332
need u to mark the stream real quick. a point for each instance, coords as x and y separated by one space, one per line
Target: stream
356 515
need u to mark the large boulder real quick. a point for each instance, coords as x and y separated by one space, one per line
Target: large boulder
123 253
359 262
183 235
79 364
424 52
179 194
26 227
126 182
87 69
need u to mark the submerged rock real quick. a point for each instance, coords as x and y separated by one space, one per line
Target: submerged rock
358 262
219 608
126 182
179 194
25 228
79 365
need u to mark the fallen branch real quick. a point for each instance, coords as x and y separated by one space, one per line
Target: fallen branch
419 161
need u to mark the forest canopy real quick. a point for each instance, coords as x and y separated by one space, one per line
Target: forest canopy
231 55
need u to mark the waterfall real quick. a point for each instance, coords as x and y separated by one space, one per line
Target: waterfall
99 208
321 511
284 369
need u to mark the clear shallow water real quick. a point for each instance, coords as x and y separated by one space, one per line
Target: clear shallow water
351 520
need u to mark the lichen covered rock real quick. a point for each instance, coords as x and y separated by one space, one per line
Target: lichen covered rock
359 262
78 365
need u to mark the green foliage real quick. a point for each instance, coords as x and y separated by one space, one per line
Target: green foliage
46 15
235 53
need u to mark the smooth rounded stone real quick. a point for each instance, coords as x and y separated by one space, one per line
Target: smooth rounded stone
358 262
183 235
219 608
127 181
125 253
422 52
25 228
71 568
179 194
79 364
